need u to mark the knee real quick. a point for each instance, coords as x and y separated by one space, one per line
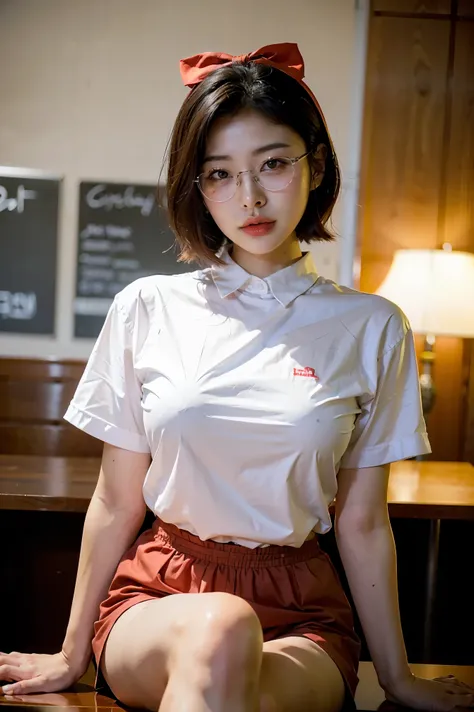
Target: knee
229 624
227 632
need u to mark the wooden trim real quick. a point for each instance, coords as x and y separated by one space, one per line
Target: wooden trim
443 188
424 16
414 15
468 444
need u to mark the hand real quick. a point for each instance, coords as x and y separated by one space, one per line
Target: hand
442 694
36 673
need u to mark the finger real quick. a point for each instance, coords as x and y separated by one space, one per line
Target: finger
24 687
10 672
461 700
456 681
458 688
452 685
6 658
10 656
452 680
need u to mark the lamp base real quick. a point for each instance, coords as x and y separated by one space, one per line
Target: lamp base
428 393
427 385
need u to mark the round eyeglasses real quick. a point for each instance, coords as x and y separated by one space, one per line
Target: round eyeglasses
219 185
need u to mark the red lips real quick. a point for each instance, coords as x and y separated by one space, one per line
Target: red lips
257 221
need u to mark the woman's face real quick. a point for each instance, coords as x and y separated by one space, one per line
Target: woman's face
245 141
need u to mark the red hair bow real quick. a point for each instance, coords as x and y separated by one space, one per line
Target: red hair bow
285 56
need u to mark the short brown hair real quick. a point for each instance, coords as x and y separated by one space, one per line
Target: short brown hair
225 92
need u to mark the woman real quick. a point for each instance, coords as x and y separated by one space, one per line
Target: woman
235 401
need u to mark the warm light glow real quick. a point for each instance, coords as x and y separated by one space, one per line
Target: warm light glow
435 289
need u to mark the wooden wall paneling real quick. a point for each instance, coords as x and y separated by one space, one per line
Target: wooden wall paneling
402 180
405 112
458 228
468 450
61 439
35 400
466 8
34 395
458 203
413 6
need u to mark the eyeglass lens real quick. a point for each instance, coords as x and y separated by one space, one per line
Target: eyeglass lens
219 185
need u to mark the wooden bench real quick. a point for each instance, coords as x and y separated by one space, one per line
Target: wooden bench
370 695
34 395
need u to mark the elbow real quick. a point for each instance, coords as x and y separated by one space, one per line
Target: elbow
130 514
360 523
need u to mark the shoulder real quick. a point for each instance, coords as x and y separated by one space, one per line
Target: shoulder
367 316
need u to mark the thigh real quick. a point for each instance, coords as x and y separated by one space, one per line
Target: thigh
135 656
296 675
299 676
158 639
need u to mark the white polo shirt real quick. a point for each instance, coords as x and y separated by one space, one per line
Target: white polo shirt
250 394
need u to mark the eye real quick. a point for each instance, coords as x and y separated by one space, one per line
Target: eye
217 174
274 164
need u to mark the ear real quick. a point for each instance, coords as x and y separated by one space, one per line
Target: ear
319 165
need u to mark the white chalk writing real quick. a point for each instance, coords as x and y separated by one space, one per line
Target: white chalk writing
98 197
17 203
17 305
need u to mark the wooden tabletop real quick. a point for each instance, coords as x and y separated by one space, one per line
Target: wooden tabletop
370 696
56 484
431 490
440 490
82 697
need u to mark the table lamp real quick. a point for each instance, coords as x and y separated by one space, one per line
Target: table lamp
435 289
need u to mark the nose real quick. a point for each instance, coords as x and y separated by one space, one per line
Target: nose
251 194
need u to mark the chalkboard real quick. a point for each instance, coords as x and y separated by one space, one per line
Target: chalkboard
123 235
28 248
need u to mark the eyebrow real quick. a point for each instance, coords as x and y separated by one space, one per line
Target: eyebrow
262 149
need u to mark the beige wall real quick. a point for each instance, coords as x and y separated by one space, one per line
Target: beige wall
90 89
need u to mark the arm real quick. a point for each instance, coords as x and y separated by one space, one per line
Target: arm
365 541
114 516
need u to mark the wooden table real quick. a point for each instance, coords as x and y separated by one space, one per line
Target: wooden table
51 484
435 491
83 698
430 490
417 489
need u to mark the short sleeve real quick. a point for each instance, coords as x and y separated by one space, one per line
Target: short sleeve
390 426
107 401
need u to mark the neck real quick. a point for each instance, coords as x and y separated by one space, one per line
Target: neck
265 265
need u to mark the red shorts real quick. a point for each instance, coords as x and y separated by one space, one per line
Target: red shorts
293 591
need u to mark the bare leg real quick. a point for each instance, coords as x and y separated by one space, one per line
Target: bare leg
186 653
204 653
298 676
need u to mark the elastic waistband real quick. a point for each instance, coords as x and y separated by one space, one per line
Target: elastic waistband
234 555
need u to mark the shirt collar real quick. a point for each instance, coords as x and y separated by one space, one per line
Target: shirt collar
286 284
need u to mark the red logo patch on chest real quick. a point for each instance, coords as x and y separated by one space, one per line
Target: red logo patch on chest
306 372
